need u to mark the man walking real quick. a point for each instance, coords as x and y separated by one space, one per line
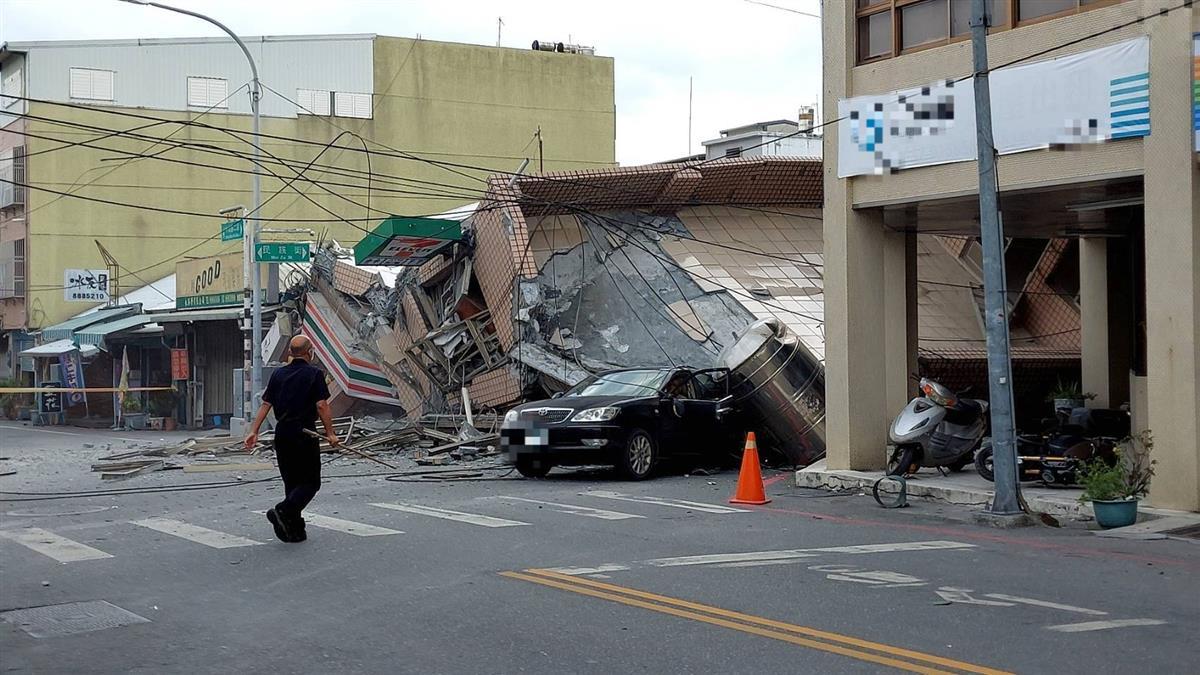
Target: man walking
298 394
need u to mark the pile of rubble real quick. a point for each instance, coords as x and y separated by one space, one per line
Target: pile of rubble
432 440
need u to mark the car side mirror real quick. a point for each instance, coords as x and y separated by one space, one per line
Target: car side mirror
557 394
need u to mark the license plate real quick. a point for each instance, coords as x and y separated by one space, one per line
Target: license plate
537 437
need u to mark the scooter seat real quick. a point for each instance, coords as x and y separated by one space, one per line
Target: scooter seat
964 411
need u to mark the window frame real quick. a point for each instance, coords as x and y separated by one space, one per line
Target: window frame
1011 20
221 103
112 81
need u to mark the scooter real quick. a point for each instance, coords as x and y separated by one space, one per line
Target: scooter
1056 455
936 429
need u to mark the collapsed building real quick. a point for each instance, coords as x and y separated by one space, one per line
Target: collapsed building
548 279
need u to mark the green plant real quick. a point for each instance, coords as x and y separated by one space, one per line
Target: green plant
1069 390
1127 478
131 404
162 403
10 402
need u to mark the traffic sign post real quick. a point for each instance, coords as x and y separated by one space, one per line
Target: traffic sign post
281 252
233 230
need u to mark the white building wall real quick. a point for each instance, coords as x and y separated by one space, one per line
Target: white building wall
153 73
769 144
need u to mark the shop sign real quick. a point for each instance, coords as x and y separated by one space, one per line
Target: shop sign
406 241
210 282
180 366
90 286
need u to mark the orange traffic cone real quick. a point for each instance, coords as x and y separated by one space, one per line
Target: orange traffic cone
750 483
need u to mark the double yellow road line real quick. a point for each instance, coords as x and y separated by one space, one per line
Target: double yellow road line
906 660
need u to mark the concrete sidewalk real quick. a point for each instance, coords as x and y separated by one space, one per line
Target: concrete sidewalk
967 488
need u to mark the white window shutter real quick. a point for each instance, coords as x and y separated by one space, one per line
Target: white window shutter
102 85
312 101
197 91
218 91
92 84
347 104
207 92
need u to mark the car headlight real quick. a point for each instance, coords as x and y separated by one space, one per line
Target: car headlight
596 414
511 416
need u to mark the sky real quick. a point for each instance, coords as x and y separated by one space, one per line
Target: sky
749 62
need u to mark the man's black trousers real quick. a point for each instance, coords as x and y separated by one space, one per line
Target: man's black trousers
299 459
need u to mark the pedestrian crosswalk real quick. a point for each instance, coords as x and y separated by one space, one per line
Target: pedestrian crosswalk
372 519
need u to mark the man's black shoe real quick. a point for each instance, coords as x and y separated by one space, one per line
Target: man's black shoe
281 526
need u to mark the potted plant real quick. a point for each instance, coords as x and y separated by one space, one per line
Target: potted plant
1114 489
162 407
131 411
1068 396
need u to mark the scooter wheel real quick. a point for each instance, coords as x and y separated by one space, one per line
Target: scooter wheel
903 458
983 462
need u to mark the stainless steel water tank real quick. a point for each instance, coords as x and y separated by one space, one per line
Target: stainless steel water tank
779 386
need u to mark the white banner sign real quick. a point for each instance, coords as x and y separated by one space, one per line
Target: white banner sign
85 286
1094 96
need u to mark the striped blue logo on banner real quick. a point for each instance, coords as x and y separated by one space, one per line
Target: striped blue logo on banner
1129 106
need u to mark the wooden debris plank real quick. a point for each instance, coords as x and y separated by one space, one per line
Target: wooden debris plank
147 467
482 441
206 468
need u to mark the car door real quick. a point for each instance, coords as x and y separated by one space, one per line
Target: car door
703 412
675 438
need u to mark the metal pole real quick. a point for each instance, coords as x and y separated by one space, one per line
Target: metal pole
1004 452
251 270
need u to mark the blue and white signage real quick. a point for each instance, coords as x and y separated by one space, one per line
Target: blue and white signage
1091 97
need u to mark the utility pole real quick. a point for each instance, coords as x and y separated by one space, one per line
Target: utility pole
499 27
689 150
541 159
252 297
1004 451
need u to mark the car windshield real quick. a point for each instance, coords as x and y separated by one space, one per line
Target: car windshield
622 383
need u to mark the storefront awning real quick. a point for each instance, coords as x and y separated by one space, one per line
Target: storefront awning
58 348
66 330
99 334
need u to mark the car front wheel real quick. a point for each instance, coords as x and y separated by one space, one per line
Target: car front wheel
639 457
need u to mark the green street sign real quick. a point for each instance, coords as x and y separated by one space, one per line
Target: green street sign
281 251
233 230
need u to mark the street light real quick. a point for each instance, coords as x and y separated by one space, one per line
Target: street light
252 298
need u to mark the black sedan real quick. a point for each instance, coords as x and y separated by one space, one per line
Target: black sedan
629 418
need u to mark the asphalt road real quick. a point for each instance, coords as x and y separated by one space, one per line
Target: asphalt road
577 573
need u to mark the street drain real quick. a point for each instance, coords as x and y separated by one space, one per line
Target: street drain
1189 532
70 618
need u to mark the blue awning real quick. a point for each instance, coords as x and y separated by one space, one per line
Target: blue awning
66 330
102 333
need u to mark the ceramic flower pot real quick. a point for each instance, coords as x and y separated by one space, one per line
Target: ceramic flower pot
1115 513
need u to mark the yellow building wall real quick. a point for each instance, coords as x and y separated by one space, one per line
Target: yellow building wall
473 109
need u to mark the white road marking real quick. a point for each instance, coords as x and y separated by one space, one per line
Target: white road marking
658 501
49 544
962 596
69 433
446 514
1043 603
200 535
576 510
859 575
581 571
774 556
345 526
764 563
1103 625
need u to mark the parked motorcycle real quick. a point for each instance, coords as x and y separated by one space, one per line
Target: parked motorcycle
1055 455
937 429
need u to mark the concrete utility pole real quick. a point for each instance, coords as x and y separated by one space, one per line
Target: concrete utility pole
1004 448
252 298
